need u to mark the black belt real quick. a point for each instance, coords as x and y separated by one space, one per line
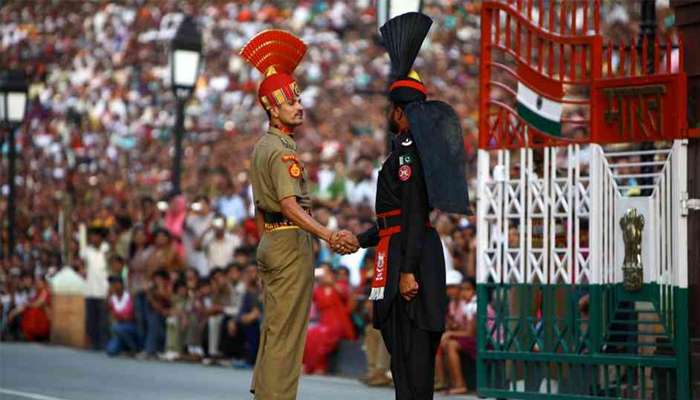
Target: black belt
388 222
391 219
273 217
278 217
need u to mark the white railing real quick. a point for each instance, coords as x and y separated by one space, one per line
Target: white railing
564 206
533 215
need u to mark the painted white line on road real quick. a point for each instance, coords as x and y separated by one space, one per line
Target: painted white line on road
28 395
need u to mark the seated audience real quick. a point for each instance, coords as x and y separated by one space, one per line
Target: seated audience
36 326
121 309
460 336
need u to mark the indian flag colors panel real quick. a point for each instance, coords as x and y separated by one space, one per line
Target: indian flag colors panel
539 100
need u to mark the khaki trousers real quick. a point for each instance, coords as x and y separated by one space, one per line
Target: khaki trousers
285 262
376 353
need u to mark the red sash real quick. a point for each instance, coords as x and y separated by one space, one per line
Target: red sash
381 259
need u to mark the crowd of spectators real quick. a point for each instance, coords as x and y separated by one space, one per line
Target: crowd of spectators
176 275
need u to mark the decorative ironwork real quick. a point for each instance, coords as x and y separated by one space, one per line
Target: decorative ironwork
612 92
632 225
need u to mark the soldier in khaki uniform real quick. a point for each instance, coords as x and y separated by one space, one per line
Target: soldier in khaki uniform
282 203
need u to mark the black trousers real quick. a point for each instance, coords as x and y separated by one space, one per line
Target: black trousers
97 322
412 354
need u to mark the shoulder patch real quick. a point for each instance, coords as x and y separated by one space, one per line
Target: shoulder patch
405 159
407 142
295 170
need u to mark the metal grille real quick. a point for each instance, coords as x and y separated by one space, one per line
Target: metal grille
550 243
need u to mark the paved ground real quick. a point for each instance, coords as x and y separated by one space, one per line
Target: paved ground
38 372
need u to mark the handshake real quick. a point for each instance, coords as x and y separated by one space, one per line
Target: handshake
343 242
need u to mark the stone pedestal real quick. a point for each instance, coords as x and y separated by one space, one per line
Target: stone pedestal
68 320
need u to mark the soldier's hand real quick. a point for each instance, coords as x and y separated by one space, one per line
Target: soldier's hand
408 286
349 241
344 242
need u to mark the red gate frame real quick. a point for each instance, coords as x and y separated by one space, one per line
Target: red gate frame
657 100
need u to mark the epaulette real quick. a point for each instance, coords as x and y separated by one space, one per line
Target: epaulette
287 144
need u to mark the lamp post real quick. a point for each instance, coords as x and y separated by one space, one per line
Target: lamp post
185 59
647 29
388 9
13 105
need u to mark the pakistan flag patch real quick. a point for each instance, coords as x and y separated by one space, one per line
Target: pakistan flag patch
407 159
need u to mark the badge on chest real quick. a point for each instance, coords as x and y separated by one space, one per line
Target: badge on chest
405 172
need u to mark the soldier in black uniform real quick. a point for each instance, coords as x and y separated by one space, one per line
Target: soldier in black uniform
425 170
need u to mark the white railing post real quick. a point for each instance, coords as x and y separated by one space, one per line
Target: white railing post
482 225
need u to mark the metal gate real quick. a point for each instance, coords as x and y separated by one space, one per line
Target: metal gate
555 316
581 266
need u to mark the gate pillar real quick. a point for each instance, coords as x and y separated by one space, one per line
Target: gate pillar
688 22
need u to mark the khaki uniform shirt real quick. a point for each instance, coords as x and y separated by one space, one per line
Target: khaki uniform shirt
276 172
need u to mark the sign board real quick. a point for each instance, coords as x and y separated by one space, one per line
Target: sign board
636 109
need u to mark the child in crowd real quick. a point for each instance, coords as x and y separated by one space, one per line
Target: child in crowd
175 322
197 289
460 337
121 308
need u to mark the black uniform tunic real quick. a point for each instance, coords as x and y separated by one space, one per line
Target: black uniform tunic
411 330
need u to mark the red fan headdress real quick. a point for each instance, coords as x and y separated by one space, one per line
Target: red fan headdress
275 53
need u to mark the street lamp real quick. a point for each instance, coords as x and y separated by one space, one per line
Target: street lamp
13 106
185 59
388 9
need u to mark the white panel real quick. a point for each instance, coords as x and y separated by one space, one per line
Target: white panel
595 234
541 204
537 228
680 221
482 225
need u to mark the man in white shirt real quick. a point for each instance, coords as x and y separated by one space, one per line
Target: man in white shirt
196 225
94 253
219 245
363 190
232 205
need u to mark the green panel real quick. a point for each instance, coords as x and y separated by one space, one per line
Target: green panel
682 339
625 345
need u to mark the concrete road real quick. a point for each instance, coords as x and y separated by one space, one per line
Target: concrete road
40 372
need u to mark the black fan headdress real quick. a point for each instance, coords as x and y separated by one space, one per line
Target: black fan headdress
403 36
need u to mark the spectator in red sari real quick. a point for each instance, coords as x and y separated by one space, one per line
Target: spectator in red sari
332 326
35 317
342 284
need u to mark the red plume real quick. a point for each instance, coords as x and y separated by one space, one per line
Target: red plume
274 48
